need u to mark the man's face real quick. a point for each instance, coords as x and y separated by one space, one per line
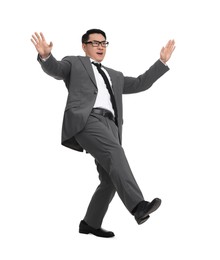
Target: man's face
96 53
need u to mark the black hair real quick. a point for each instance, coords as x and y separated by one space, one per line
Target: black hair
85 37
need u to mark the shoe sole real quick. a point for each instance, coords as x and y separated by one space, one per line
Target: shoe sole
84 232
142 220
155 205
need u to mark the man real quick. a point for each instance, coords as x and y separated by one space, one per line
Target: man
93 121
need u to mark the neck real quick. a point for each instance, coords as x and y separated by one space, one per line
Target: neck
92 59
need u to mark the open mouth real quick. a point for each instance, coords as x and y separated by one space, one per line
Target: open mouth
100 53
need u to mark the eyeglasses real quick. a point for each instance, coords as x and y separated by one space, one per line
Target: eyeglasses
97 43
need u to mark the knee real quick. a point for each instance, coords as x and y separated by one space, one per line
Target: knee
108 188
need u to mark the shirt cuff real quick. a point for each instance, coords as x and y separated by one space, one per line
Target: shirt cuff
163 62
45 59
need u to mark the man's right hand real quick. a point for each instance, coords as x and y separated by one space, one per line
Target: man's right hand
42 47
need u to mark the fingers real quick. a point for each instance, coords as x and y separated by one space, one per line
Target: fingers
171 44
36 38
167 51
162 50
42 36
51 45
33 42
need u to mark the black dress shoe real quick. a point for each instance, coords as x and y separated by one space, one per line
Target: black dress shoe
84 228
144 209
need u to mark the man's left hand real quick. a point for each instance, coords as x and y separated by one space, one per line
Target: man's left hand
167 51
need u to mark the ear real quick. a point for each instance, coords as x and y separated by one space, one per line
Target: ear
84 47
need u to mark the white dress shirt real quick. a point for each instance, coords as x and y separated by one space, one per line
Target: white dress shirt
103 99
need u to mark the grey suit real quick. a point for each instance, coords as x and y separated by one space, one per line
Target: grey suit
98 135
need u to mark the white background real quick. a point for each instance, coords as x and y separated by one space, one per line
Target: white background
171 132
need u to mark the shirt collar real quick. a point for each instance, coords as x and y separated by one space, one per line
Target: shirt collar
94 61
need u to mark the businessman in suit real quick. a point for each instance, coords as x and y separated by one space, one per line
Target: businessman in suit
93 120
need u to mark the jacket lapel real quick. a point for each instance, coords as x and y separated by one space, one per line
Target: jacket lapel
88 67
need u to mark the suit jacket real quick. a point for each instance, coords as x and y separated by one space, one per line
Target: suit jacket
78 75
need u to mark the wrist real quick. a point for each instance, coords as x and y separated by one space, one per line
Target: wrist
45 57
163 61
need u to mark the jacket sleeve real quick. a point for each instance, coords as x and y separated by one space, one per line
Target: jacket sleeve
146 80
57 69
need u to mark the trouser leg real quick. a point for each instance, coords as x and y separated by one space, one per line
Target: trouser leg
100 200
99 138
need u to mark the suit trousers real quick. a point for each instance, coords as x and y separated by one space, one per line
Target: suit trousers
100 138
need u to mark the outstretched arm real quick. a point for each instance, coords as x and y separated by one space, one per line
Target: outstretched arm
146 80
42 47
54 68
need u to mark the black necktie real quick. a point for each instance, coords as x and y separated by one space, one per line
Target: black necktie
98 66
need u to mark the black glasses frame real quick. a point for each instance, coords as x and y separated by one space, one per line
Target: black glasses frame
97 43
